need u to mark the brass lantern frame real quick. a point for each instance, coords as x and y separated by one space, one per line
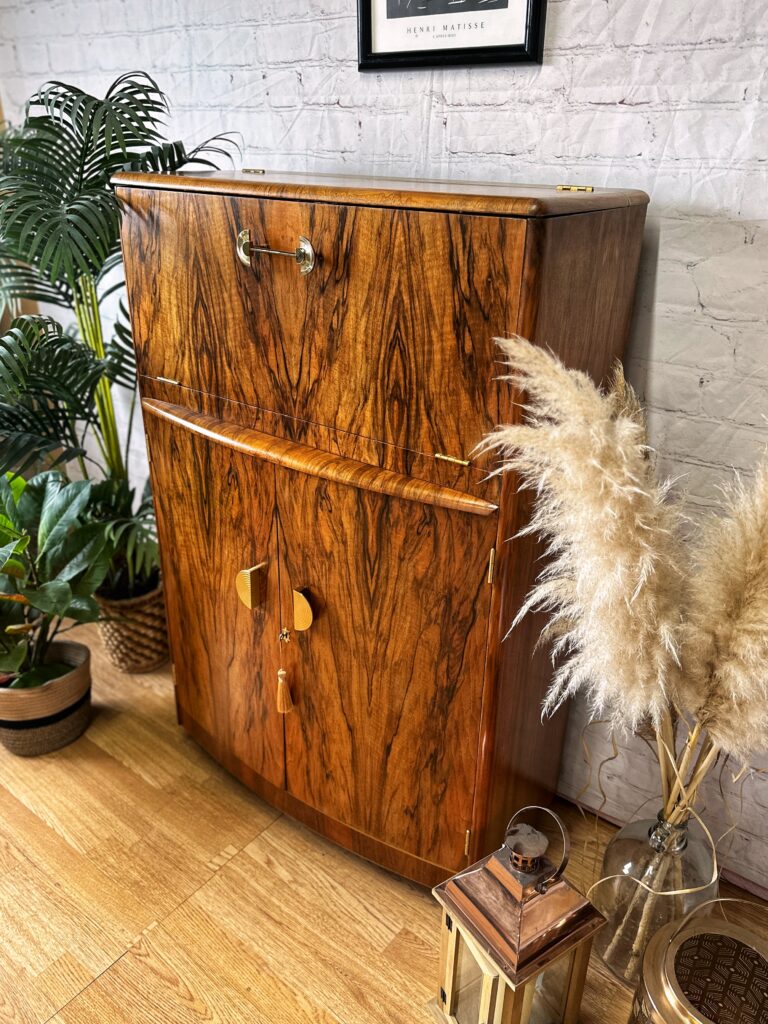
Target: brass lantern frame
517 917
501 1002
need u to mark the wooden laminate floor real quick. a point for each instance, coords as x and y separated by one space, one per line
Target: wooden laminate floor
140 883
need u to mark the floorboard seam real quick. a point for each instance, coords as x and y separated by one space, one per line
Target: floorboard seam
159 921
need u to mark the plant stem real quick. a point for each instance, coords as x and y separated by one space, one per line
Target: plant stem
708 754
665 742
641 938
663 770
130 426
684 765
40 646
88 315
638 895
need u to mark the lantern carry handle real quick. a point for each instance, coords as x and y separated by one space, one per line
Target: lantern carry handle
544 884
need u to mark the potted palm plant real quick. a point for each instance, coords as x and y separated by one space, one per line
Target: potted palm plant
59 244
53 557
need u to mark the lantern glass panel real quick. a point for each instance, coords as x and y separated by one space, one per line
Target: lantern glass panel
475 986
547 994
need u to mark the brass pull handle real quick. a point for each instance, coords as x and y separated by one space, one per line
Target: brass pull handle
248 584
284 698
303 616
303 254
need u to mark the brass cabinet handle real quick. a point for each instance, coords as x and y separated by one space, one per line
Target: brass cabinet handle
304 253
249 585
303 616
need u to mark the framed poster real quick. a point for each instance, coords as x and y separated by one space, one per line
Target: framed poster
438 33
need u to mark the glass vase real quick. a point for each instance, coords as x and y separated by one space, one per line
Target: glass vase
664 857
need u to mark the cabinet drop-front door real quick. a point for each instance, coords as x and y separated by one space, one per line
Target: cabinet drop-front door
216 519
388 677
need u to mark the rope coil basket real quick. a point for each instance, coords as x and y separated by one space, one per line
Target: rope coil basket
47 717
134 631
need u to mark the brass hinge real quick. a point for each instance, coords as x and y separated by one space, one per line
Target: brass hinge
149 450
452 459
492 565
467 837
169 380
254 170
575 188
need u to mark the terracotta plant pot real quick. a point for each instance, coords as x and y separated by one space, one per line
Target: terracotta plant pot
134 631
44 718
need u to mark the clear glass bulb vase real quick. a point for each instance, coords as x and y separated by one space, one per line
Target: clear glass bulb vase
664 857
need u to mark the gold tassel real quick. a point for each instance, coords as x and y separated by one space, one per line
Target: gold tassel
284 699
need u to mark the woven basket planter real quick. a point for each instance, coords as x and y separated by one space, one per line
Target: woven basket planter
44 718
134 631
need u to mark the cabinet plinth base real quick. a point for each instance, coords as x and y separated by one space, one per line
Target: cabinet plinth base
389 857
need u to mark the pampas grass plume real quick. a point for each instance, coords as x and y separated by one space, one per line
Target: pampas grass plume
725 669
613 581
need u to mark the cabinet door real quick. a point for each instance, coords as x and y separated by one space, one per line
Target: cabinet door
216 517
388 679
390 337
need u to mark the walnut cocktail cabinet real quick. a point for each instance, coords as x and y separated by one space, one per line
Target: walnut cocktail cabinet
317 363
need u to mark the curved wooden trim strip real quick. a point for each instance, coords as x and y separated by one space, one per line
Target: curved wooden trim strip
312 462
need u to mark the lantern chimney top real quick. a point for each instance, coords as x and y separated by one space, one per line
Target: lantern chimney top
526 846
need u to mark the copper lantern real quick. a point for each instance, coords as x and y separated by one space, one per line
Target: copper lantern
516 936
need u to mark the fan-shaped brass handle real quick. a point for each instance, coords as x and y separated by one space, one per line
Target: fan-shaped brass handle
249 584
303 616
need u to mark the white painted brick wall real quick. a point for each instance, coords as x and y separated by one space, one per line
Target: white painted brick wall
669 97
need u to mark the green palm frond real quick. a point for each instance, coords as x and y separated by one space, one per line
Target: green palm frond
170 157
20 281
130 115
62 237
52 216
58 210
47 383
120 357
25 449
132 534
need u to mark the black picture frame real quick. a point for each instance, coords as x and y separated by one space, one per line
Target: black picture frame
530 51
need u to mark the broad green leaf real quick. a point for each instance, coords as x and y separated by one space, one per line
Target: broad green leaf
52 598
15 568
17 485
30 503
6 553
12 659
42 674
83 609
84 558
9 515
60 512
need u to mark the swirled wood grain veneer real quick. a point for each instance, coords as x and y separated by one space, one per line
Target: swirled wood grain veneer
316 431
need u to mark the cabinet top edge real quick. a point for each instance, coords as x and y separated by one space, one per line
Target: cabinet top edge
454 196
